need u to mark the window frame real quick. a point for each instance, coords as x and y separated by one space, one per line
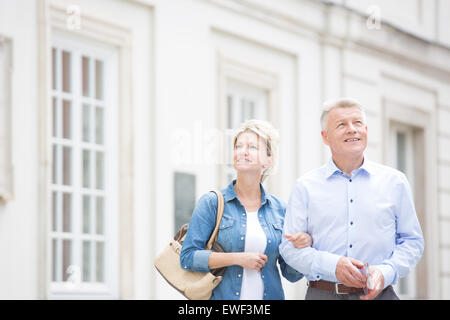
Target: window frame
240 92
109 287
6 171
408 131
234 76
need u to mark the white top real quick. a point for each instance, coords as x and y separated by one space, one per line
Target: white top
255 241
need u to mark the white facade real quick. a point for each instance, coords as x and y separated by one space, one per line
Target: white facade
102 102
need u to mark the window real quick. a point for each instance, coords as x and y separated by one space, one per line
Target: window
84 171
184 191
243 102
402 137
5 120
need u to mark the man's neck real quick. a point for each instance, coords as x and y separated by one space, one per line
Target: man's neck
347 164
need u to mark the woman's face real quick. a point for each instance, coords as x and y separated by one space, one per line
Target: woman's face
250 154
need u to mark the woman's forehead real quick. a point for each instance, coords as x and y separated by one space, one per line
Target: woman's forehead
248 136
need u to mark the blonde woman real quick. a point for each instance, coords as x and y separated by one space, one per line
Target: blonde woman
251 228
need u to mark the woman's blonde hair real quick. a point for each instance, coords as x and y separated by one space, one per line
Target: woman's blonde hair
268 134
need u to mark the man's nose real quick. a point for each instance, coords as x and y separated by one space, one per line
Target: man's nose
351 128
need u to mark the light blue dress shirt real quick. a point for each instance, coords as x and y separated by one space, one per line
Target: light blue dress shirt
369 217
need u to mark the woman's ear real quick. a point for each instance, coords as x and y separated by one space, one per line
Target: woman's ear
268 163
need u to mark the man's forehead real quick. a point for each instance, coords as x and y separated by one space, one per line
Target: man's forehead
344 113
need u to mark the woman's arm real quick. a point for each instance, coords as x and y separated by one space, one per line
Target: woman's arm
247 260
193 254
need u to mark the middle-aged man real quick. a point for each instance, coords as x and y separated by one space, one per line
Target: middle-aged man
356 211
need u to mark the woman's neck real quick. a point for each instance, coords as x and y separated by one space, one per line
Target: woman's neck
248 190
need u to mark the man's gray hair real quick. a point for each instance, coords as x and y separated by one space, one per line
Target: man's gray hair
339 103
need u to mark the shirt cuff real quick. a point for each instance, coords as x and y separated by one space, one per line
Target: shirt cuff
200 261
326 266
388 274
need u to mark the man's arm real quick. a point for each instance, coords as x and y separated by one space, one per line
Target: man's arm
315 264
409 239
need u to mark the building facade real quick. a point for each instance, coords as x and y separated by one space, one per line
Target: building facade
116 116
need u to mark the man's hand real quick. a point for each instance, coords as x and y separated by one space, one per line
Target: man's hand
348 274
377 279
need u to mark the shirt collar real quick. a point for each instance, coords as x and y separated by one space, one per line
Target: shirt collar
332 169
230 194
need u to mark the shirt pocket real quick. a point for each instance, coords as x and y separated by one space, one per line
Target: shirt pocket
226 236
278 231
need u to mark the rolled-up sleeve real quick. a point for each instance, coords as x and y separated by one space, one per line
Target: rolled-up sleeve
193 254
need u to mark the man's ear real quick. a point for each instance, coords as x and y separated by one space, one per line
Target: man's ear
325 137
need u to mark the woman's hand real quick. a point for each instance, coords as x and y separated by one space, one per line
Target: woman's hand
299 239
251 260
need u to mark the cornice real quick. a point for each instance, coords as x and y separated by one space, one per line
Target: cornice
339 26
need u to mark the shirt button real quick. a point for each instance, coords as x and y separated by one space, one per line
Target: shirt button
350 180
317 277
351 200
243 214
243 224
242 238
237 293
239 275
270 241
351 246
351 223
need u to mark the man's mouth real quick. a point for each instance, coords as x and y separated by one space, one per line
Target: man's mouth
352 140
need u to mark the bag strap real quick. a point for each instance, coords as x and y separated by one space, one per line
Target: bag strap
220 205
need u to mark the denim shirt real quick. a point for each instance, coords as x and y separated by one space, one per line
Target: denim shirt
231 236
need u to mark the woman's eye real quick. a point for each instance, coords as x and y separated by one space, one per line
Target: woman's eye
254 147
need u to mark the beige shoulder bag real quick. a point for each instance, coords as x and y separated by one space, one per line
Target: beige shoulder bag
193 285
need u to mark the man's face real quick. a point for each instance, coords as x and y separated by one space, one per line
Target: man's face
346 132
